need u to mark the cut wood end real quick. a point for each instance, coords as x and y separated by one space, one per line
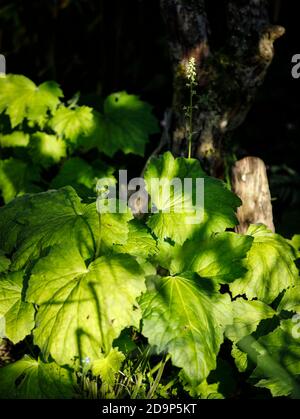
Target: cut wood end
250 184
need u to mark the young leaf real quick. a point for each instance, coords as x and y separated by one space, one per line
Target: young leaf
214 214
85 306
20 98
270 264
186 317
204 391
47 150
108 366
125 125
70 124
31 379
19 315
17 178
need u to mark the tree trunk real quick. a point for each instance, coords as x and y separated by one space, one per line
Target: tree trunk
227 78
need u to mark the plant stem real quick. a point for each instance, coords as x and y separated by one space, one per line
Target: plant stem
158 376
99 238
190 124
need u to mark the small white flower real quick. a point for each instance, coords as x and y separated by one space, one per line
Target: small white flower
191 70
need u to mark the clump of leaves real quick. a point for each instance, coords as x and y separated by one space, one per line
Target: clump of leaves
43 140
75 280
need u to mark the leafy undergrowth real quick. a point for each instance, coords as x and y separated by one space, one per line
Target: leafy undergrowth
115 306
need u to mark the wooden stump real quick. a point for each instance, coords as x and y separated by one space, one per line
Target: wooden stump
250 184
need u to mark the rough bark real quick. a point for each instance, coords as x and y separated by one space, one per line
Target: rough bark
228 78
250 183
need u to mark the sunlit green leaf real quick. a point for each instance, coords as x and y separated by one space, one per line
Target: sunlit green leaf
72 123
291 300
278 362
15 139
19 315
140 242
31 379
108 366
85 305
47 150
219 257
246 317
179 216
186 317
270 264
34 223
17 178
125 125
20 98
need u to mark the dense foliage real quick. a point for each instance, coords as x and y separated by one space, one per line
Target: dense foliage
112 305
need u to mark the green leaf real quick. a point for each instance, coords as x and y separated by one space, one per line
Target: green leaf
19 315
220 384
33 223
16 178
270 264
278 362
186 317
47 150
240 358
15 139
125 125
9 225
166 253
4 262
20 98
204 391
291 300
215 214
108 366
295 242
31 379
70 124
140 242
220 257
79 174
83 308
246 317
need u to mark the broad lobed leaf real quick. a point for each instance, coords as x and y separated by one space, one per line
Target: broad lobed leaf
84 307
186 317
31 379
270 264
31 224
179 216
18 314
20 98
